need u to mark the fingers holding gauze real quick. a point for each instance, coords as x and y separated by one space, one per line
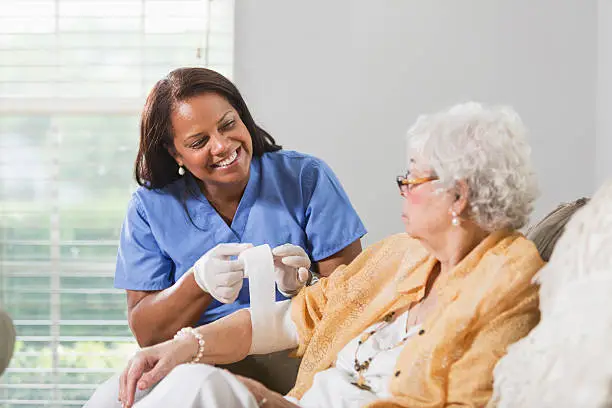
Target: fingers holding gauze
289 250
296 261
225 251
292 255
291 263
227 281
303 275
218 274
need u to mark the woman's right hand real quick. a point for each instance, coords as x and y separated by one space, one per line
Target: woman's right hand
216 273
151 364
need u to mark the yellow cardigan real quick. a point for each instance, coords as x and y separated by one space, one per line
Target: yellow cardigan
486 303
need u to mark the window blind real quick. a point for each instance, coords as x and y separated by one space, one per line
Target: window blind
73 77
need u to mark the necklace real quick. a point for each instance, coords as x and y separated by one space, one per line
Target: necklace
362 367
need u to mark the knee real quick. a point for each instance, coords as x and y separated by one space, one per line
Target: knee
199 385
184 371
106 395
184 379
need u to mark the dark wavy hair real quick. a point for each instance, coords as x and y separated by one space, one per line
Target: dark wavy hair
155 167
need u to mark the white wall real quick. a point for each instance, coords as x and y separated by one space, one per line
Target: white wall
603 160
344 79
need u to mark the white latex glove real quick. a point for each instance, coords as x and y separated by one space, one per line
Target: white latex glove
291 265
218 275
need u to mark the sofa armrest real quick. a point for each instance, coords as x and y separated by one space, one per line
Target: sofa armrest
7 340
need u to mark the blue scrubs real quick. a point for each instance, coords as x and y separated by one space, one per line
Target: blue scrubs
290 198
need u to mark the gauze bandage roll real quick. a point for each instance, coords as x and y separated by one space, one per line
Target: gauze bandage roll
272 327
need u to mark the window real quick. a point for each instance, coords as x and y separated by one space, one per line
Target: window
73 77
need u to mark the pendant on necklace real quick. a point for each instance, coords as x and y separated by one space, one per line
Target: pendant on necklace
362 366
361 384
388 317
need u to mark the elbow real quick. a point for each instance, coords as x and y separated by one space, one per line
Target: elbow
146 341
145 335
146 331
142 338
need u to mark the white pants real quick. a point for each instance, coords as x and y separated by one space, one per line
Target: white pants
188 385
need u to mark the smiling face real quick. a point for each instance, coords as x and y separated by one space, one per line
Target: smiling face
211 140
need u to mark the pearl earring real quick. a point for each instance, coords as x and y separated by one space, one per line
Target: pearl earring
455 221
181 171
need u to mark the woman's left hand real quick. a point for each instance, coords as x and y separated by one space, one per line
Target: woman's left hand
151 364
291 264
265 398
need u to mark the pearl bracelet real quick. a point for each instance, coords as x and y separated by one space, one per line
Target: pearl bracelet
190 330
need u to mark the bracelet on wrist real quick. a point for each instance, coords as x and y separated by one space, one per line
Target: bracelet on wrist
186 331
312 278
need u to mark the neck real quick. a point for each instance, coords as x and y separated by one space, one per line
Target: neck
455 244
223 195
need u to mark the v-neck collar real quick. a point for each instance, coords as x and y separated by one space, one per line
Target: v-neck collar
206 211
251 192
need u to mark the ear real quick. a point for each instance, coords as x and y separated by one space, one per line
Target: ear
461 192
172 152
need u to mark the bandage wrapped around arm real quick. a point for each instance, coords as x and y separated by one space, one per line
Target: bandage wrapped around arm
272 327
274 332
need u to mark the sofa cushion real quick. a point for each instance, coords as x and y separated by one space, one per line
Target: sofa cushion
547 231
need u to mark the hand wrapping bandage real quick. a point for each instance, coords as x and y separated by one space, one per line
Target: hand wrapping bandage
273 329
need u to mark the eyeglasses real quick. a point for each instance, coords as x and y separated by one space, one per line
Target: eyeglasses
406 184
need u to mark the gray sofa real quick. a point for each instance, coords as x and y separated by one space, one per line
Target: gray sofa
7 340
547 231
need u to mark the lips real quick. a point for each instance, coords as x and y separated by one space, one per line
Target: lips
228 161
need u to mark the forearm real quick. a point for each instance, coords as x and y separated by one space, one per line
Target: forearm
327 266
228 339
158 316
235 336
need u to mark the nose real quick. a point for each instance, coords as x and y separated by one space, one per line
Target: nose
218 144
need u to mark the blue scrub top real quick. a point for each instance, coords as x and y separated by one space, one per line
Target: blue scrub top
290 198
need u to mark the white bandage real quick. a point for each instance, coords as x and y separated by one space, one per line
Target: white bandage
272 327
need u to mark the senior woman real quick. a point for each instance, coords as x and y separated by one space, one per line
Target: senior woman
418 319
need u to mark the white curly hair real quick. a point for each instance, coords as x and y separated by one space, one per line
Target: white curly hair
487 148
